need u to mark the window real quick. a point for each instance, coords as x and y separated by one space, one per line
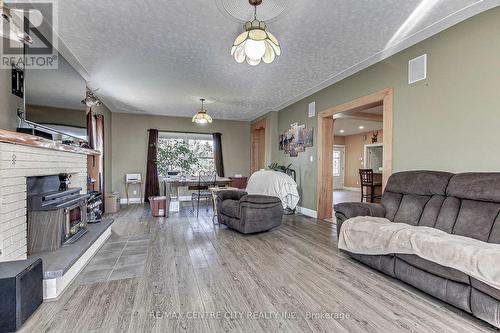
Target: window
189 154
336 163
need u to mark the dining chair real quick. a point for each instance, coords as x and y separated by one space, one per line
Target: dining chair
205 181
366 181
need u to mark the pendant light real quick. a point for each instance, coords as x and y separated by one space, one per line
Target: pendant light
255 44
202 117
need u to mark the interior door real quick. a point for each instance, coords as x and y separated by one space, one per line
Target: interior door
258 145
338 167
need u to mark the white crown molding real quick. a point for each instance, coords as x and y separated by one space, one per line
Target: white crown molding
421 35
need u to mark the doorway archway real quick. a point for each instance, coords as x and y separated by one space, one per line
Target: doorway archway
326 120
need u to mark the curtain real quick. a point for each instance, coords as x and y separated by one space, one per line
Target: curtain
99 145
90 128
152 183
219 163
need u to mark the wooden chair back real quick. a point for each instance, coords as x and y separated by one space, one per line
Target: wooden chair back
366 177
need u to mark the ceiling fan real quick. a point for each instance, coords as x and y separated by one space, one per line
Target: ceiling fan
9 28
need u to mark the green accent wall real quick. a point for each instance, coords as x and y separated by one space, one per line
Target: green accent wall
450 121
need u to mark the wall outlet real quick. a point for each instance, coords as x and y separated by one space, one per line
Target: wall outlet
134 192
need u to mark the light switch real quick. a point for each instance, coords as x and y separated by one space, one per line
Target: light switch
311 158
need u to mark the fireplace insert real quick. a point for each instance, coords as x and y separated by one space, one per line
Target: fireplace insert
57 214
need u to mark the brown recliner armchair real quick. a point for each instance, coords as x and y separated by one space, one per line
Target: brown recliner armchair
248 213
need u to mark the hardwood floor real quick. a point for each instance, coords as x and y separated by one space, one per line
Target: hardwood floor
203 278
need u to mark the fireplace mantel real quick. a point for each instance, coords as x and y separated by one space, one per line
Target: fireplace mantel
38 142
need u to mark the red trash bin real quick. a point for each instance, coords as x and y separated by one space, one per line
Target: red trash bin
158 206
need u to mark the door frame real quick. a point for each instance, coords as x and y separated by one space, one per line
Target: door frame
324 195
381 144
342 166
258 143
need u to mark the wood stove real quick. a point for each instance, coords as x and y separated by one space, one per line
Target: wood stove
57 215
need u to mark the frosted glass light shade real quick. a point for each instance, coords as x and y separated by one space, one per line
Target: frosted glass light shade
201 117
255 49
255 45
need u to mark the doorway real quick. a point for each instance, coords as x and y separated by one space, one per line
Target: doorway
338 167
326 120
258 139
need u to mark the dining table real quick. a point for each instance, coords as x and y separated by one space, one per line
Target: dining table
189 181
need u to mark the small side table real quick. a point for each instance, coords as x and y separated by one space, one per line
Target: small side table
214 191
127 186
239 182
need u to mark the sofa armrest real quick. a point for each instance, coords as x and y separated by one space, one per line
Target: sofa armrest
347 210
230 194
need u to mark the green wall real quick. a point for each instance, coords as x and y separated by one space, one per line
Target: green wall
129 141
450 121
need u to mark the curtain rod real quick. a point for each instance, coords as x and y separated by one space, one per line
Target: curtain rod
186 132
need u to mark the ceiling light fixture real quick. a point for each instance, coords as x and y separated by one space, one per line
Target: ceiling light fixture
202 117
361 127
342 131
255 44
91 99
8 27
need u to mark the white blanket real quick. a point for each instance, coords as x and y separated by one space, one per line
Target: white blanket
372 235
276 184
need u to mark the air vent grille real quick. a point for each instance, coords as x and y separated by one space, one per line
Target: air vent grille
417 69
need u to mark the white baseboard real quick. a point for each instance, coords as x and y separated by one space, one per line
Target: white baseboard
53 288
132 200
307 212
355 189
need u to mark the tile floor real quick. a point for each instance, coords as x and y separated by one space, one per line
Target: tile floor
121 257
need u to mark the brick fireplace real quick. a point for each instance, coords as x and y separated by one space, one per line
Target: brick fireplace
17 162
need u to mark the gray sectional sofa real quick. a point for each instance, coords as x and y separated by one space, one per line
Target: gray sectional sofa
466 204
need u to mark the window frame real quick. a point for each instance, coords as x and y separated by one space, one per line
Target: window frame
185 137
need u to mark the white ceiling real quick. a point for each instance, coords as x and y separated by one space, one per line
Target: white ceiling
350 126
159 57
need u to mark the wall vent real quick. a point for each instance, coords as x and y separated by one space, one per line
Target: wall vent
311 112
417 69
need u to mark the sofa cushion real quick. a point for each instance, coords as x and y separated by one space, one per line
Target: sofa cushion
495 232
448 214
419 182
436 269
230 208
475 186
487 289
476 219
431 211
411 208
391 202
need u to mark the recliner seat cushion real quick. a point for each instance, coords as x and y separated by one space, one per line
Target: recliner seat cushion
455 293
487 289
436 269
230 208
